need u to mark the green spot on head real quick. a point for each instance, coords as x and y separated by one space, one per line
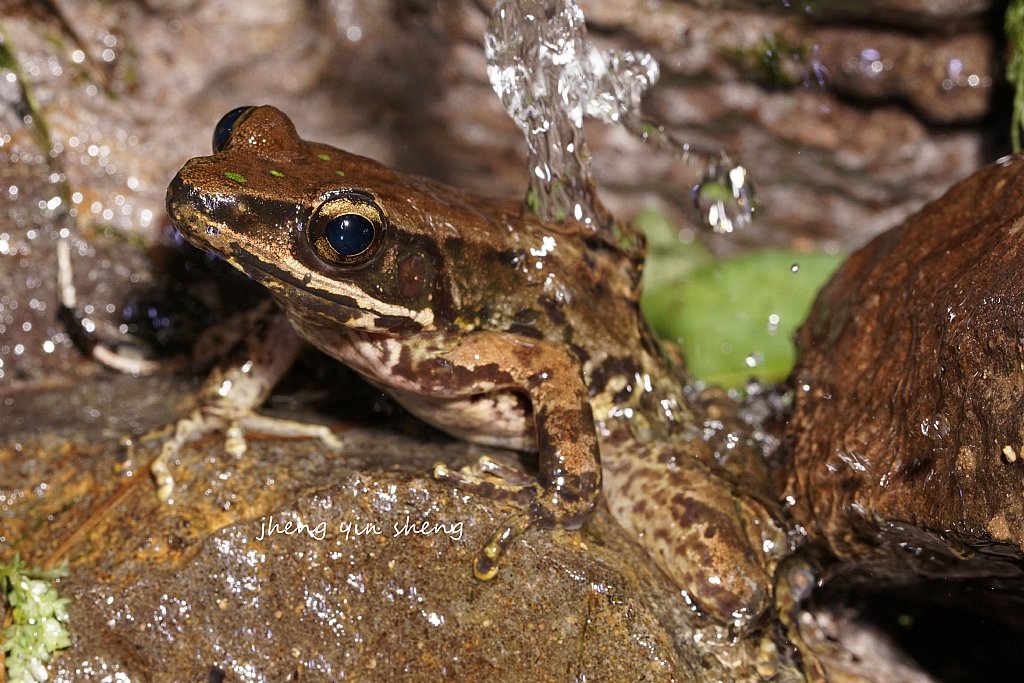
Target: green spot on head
323 157
237 177
340 172
276 174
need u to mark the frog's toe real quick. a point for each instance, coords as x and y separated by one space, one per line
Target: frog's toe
234 440
189 427
485 566
491 479
275 426
795 579
235 426
487 466
510 475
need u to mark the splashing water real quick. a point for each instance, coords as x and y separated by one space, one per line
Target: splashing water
724 196
549 76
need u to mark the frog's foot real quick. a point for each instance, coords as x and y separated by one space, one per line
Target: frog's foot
234 424
485 566
489 478
795 580
539 506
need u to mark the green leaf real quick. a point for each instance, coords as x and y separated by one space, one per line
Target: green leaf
735 319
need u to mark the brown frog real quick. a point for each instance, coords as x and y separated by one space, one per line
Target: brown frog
496 328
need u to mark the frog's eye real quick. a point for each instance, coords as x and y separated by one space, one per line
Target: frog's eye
226 125
347 230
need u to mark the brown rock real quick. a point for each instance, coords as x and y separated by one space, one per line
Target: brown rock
907 427
383 591
947 80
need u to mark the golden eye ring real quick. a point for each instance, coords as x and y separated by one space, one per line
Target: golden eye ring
347 230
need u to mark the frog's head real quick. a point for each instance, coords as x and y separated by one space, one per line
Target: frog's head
329 233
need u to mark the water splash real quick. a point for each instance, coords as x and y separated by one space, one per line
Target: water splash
724 196
549 76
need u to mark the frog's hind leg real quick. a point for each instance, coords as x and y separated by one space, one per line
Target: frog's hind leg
235 423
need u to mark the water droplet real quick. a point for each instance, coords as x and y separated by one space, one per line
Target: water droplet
935 427
855 460
724 197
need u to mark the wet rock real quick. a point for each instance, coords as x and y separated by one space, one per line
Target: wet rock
946 80
906 438
903 452
934 15
929 15
831 120
377 585
224 580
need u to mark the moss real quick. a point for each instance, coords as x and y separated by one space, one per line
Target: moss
38 620
1015 67
773 61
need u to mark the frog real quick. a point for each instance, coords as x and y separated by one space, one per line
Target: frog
498 329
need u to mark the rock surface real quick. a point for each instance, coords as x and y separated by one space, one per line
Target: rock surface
910 387
179 592
905 444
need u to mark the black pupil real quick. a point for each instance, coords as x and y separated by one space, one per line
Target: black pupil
222 132
349 234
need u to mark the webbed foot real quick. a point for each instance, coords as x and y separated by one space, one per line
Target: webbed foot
539 506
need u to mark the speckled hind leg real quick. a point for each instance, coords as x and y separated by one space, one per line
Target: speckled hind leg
205 420
715 543
233 391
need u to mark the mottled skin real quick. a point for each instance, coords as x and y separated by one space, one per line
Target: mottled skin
497 329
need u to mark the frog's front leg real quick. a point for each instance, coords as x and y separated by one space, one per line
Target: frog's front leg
569 468
233 390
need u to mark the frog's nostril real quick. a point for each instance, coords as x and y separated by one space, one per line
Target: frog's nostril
222 133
